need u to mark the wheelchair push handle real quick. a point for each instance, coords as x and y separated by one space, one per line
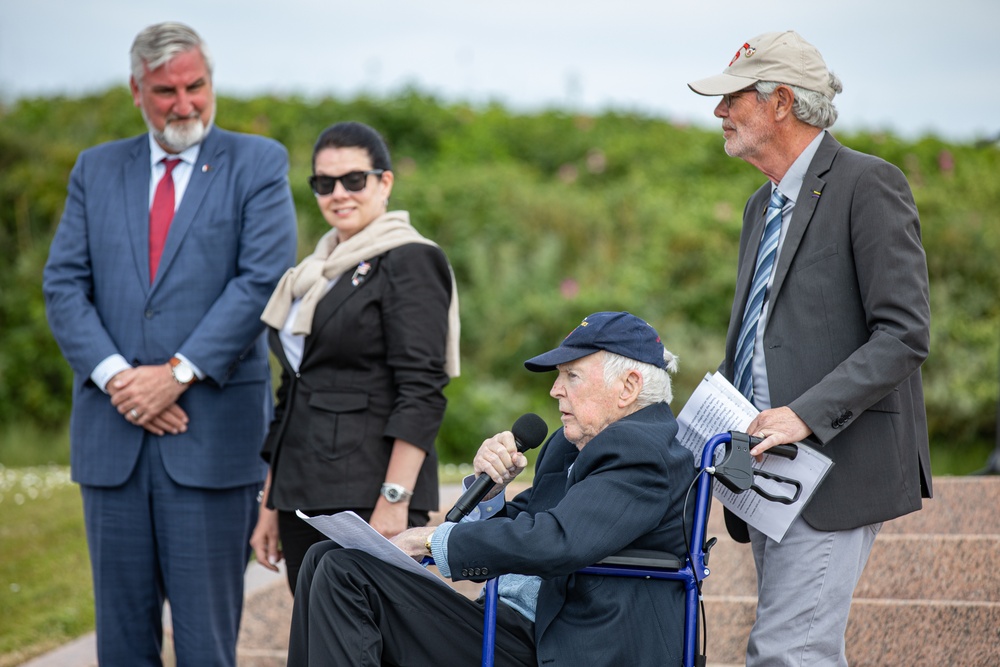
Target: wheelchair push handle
736 472
785 451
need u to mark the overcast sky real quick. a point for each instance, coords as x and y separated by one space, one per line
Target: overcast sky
912 67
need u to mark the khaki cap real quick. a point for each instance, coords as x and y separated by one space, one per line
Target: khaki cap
783 57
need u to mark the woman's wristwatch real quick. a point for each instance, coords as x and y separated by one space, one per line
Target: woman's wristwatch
395 493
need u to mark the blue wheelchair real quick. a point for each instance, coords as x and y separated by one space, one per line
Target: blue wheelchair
732 467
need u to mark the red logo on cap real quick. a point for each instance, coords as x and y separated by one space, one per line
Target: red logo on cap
745 48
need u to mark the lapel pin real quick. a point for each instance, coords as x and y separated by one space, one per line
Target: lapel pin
360 273
816 194
205 168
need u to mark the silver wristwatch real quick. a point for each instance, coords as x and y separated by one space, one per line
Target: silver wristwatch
183 374
395 493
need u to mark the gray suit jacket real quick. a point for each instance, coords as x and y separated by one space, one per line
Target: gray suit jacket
232 237
847 331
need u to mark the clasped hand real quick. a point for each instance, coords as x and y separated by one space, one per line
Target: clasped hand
147 396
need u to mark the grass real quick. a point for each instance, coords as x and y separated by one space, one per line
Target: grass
45 588
46 597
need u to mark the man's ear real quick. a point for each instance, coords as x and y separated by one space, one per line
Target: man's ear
783 99
631 386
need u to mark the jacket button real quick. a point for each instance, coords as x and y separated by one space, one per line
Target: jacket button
465 572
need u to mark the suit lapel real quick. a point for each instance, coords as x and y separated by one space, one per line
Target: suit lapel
212 162
805 207
135 190
758 208
335 298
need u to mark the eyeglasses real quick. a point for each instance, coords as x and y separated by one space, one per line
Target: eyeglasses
353 181
732 97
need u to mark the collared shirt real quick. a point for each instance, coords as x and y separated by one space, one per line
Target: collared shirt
181 173
790 185
116 363
519 591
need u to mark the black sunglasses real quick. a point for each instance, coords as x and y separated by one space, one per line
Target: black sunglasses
353 181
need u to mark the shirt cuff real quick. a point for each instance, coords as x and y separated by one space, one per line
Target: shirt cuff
485 509
439 548
107 369
197 371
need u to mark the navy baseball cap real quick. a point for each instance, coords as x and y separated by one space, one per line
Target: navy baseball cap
621 333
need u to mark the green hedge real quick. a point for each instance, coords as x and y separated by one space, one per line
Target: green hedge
546 217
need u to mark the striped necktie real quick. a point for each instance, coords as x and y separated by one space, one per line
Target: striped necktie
758 293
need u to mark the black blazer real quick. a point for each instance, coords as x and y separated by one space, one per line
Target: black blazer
625 489
372 371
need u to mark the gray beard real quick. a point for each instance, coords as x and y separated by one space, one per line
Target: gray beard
178 137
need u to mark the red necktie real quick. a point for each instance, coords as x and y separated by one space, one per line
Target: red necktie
160 215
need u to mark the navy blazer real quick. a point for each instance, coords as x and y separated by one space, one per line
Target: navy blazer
847 331
231 239
372 370
624 489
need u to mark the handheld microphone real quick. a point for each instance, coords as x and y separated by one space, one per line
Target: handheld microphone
529 431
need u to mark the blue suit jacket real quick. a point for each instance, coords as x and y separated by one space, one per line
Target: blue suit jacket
231 239
624 489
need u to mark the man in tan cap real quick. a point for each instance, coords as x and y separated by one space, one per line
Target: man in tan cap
829 327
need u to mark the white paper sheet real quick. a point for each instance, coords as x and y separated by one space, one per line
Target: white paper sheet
352 532
716 406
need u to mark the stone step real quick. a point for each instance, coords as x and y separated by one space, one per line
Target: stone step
960 506
930 594
901 567
879 632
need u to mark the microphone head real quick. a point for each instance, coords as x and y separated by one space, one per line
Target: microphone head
529 431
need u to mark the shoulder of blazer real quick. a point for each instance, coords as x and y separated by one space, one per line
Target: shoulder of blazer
832 151
242 145
119 150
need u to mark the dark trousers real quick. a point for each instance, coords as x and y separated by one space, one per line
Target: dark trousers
297 536
353 609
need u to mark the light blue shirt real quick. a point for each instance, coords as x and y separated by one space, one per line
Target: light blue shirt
519 591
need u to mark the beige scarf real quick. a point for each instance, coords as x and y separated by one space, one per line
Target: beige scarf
309 279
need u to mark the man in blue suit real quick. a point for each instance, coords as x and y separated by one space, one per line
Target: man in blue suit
613 477
169 246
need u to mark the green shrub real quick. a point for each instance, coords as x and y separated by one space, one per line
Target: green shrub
546 217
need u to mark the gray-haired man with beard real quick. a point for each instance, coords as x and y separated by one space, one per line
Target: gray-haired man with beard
169 246
829 327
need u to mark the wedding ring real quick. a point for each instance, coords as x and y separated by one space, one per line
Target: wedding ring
135 415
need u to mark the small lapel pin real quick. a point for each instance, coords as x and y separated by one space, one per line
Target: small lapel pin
360 273
816 194
205 168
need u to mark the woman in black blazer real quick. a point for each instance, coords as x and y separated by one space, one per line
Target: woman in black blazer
366 330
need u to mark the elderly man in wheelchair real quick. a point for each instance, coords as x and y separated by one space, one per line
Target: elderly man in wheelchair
612 478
